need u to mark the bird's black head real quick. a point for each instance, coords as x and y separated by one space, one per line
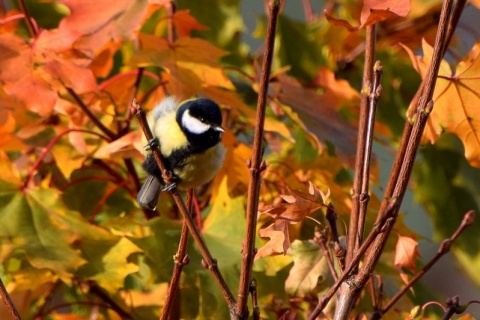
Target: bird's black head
201 121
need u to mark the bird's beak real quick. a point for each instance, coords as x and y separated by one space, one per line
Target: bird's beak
219 129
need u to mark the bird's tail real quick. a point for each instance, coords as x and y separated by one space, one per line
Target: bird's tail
147 197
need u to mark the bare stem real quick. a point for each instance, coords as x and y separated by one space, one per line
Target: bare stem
32 28
361 178
180 259
8 302
256 167
209 262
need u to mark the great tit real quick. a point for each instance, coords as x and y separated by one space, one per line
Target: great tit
189 134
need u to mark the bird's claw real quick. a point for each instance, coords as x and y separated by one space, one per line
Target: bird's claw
170 187
153 143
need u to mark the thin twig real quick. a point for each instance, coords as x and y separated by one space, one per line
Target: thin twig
96 290
90 115
180 259
253 292
49 147
8 302
355 232
32 28
321 240
256 166
209 261
125 126
467 221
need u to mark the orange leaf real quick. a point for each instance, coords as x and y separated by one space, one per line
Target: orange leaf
107 20
406 253
186 23
374 11
189 69
296 206
456 100
279 240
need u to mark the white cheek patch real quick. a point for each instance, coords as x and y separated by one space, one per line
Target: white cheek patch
193 125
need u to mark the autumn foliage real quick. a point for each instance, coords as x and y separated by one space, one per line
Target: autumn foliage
74 244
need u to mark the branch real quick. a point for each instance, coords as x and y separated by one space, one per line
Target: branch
8 302
180 259
209 261
361 178
364 145
467 221
256 165
31 26
400 174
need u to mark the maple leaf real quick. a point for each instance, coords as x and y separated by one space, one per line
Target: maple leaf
185 23
456 100
319 112
294 208
108 20
309 269
189 69
374 11
406 253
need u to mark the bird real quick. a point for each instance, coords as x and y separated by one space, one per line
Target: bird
189 134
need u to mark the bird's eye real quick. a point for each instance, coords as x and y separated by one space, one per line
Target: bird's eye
202 119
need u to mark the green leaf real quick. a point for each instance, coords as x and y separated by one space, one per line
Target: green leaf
160 246
36 224
308 271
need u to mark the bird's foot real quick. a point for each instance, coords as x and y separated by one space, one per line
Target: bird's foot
153 143
170 187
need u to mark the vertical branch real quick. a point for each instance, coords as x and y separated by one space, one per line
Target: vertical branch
256 166
8 302
396 186
355 231
180 259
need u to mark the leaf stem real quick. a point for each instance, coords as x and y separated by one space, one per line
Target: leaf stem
209 261
256 165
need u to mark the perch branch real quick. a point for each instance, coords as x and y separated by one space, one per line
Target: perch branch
180 259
